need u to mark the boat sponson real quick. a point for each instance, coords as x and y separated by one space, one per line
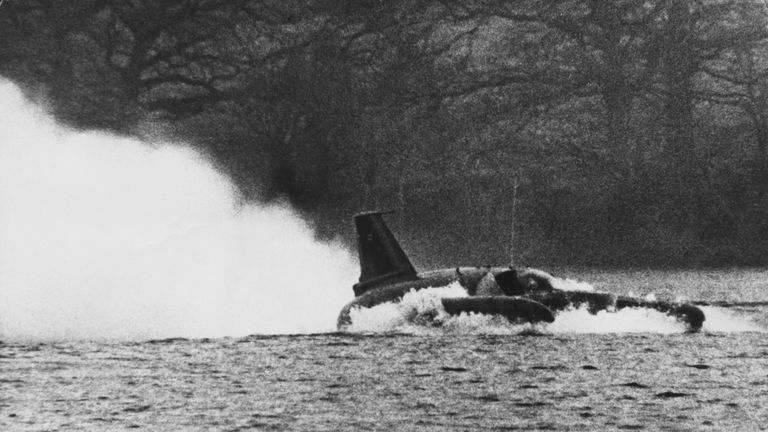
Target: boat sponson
515 309
685 312
597 301
561 300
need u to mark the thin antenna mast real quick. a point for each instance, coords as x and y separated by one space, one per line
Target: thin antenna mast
514 217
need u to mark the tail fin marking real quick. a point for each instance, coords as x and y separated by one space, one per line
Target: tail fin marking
381 258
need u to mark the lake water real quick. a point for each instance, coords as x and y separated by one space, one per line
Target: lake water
631 370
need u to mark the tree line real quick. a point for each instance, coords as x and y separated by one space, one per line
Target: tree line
573 132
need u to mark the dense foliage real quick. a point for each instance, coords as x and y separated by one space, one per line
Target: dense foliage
584 132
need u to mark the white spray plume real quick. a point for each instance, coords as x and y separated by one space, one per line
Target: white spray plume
105 237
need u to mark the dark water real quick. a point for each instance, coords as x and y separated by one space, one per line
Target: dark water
704 381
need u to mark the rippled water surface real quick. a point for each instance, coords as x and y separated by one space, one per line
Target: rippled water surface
632 369
391 382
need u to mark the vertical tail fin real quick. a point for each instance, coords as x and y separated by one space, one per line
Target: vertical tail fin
382 260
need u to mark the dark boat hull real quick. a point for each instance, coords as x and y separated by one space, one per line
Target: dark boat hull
386 275
534 307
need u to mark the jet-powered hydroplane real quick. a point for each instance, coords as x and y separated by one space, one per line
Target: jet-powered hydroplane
524 295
